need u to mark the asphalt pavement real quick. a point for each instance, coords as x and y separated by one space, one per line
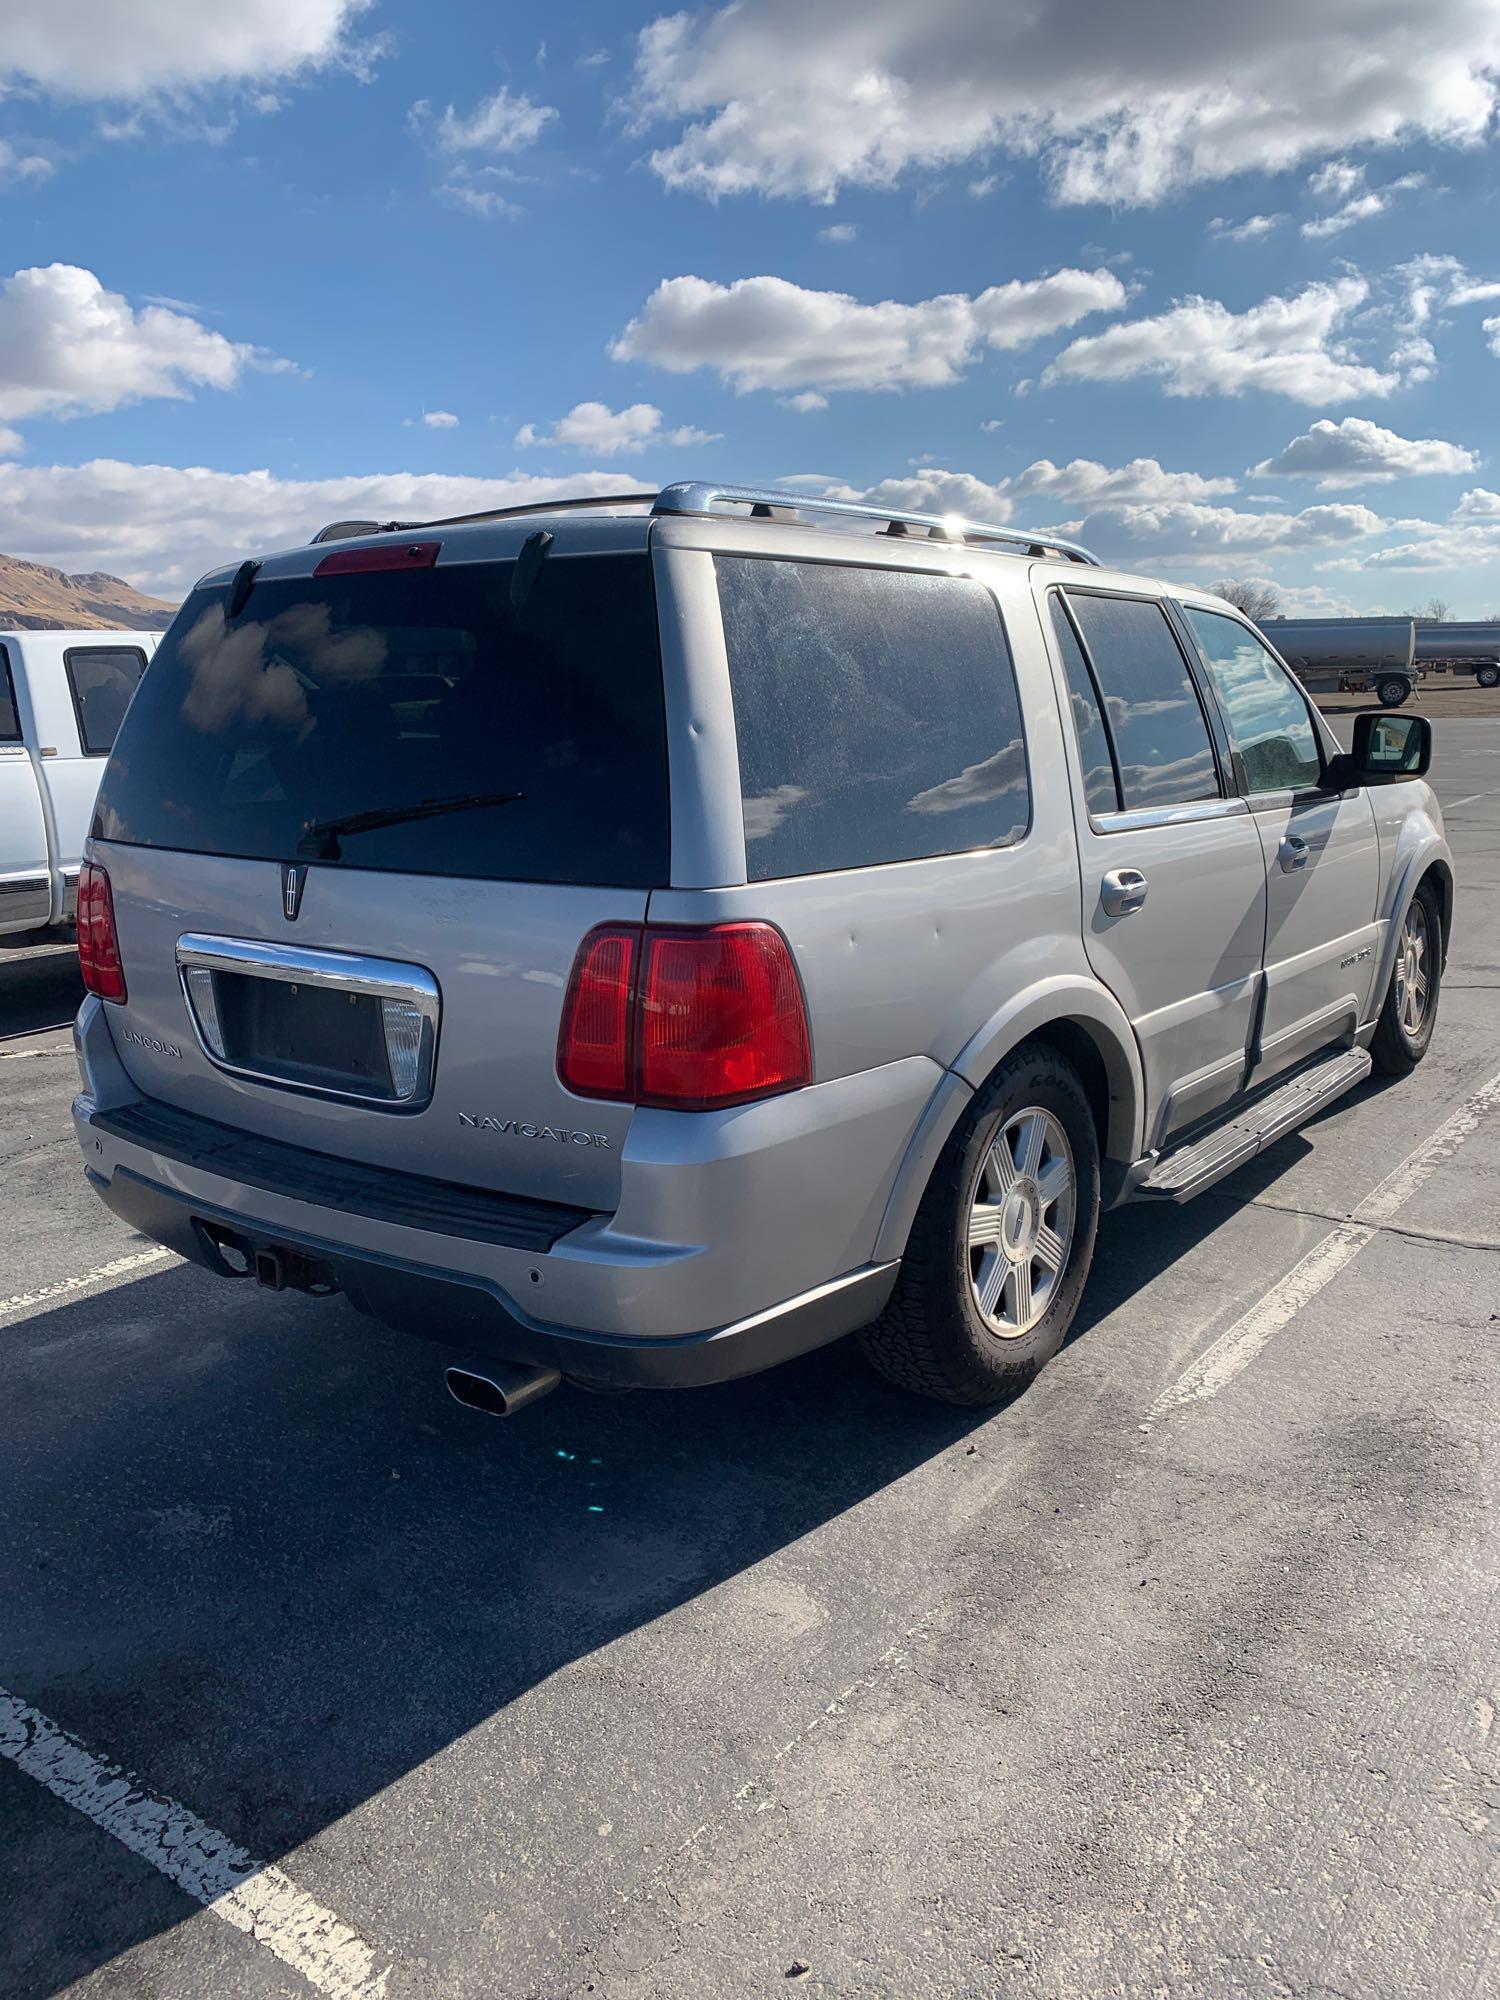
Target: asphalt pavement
1176 1676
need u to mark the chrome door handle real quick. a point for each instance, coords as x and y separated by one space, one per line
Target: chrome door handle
1122 890
1293 853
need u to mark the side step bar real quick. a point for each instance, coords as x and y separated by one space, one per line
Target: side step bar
1187 1170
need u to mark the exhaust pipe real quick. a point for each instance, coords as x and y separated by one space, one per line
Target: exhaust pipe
508 1387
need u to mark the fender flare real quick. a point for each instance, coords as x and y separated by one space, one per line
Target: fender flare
1084 1005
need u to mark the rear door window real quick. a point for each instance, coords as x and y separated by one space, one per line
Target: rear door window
102 680
1267 714
1156 721
410 720
10 721
877 715
1099 786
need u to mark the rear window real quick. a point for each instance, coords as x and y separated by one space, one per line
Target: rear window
877 715
10 722
369 694
102 680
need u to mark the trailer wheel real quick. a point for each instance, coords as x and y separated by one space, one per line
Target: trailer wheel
1487 677
1392 691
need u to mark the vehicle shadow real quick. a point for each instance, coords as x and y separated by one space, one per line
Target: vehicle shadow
256 1555
40 987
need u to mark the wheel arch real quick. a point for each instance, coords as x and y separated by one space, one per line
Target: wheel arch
1086 1025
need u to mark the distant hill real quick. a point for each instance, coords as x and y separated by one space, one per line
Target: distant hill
34 598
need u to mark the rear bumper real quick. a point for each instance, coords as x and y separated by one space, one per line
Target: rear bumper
679 1286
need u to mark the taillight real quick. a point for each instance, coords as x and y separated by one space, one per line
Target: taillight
686 1019
384 555
98 941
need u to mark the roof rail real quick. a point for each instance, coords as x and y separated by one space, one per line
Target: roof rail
767 503
338 530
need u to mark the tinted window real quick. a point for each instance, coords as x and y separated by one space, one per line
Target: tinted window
877 715
368 693
103 678
1268 719
1093 744
1161 738
10 722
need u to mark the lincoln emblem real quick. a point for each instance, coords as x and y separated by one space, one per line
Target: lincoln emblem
293 879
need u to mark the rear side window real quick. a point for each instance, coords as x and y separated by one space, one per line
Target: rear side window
1156 720
1093 743
529 741
102 680
1268 719
10 721
877 715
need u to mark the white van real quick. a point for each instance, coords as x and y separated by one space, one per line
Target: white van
62 698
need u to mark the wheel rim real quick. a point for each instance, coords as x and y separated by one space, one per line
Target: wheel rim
1021 1212
1413 971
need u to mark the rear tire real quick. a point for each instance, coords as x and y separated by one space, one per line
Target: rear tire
1404 1031
1488 677
1392 692
1001 1246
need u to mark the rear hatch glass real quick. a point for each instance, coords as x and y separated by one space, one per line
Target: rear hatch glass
364 696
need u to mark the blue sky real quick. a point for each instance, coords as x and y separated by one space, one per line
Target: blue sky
972 256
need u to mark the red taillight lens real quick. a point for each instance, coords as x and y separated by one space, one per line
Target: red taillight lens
98 942
594 1043
386 555
686 1019
722 1018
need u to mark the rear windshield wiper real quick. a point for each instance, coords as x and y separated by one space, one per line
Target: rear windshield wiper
320 837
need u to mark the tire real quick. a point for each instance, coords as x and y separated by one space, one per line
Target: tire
1487 677
935 1337
1392 692
1404 1031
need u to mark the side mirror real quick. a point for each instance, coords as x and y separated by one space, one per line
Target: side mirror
1387 749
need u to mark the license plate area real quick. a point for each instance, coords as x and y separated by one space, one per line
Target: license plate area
334 1024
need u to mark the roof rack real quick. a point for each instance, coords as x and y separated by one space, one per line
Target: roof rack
767 503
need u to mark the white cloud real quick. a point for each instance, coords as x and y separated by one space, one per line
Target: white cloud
11 442
595 427
101 49
1479 504
1251 230
439 420
767 333
1142 480
162 526
805 402
838 232
22 169
1115 114
1472 293
1361 209
1357 452
477 189
68 347
1492 329
1285 346
1335 181
1356 203
1188 532
504 123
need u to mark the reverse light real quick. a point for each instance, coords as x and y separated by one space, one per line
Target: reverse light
687 1019
98 941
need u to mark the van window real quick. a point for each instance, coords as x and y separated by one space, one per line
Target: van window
1268 720
373 693
102 680
877 715
10 721
1099 788
1156 721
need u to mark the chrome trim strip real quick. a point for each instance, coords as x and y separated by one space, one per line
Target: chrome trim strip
1183 815
698 497
341 971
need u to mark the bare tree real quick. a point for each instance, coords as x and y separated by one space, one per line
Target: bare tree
1252 595
1436 611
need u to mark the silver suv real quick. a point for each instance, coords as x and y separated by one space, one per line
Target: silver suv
642 940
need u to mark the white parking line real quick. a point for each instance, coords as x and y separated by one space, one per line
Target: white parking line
1451 805
259 1900
118 1267
1233 1351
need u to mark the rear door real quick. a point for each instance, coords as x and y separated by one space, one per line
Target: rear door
1174 887
1321 850
357 828
25 878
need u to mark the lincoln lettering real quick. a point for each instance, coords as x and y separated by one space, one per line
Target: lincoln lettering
518 1128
